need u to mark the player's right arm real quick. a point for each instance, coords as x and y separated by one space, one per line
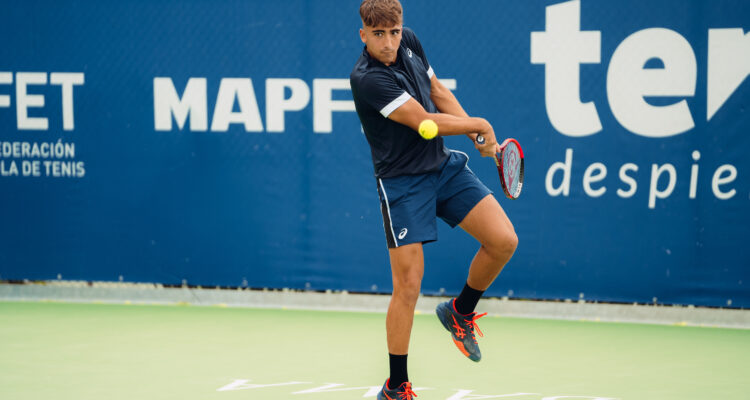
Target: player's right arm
379 89
411 114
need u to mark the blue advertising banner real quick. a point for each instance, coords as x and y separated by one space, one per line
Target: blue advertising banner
216 143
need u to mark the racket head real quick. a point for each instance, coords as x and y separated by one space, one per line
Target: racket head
510 166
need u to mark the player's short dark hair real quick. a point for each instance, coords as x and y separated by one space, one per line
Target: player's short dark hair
381 12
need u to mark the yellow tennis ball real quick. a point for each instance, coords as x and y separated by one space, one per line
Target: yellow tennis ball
428 129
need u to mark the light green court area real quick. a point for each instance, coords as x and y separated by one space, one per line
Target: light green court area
60 351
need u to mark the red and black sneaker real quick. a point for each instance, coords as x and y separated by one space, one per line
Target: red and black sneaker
462 328
403 392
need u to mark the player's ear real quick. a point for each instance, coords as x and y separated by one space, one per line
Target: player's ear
362 35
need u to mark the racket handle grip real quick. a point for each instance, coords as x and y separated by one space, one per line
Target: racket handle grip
480 139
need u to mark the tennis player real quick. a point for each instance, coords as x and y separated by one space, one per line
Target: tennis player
394 89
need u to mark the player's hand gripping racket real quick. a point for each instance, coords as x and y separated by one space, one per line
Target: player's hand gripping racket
510 166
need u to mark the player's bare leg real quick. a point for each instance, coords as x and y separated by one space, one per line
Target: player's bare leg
407 269
488 223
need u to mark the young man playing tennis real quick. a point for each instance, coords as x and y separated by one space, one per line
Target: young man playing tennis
395 89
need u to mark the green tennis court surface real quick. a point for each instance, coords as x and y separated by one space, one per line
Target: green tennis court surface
96 351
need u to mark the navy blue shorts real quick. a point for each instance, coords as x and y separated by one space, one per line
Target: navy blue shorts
410 203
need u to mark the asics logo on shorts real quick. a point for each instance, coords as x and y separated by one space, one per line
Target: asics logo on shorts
402 234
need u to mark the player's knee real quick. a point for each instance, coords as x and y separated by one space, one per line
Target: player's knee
503 245
407 287
512 243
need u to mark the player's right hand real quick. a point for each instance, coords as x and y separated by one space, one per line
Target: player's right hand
490 147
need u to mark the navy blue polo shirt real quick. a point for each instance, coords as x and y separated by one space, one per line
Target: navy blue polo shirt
378 90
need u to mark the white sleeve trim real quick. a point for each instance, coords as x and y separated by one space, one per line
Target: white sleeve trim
430 72
398 102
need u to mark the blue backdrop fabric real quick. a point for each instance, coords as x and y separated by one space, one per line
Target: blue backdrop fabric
216 143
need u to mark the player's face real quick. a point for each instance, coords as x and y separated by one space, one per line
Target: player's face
382 42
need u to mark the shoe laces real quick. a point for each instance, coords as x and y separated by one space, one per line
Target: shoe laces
472 324
407 393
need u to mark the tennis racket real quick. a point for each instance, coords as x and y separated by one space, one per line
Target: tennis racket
510 166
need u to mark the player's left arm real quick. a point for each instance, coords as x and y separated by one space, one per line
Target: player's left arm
446 102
